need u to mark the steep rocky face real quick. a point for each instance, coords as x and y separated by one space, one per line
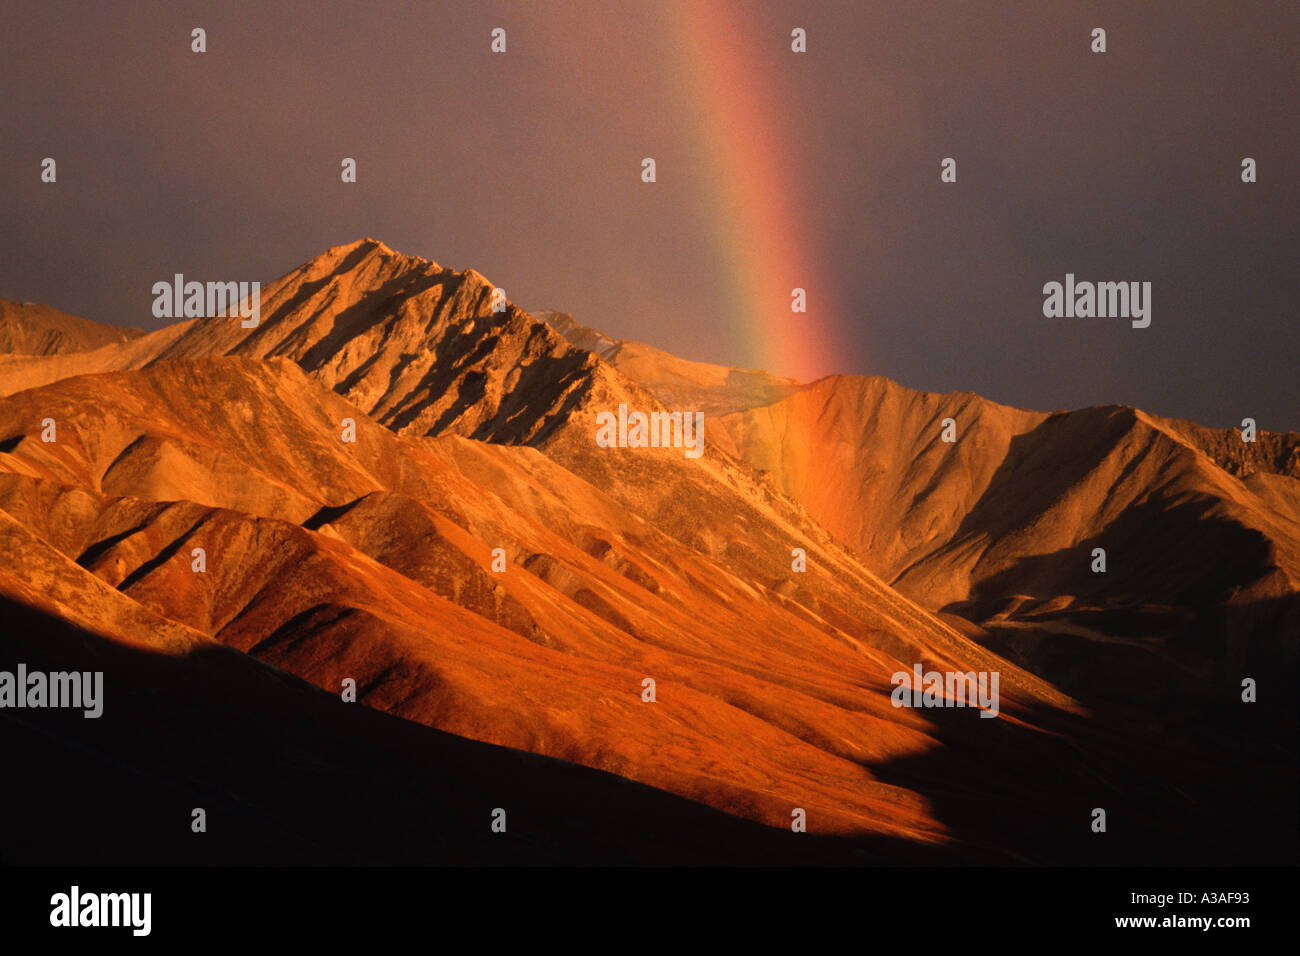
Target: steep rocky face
1271 453
418 347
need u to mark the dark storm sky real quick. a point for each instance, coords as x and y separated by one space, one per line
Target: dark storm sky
1122 166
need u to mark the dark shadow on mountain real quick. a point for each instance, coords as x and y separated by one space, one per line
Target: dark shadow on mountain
288 774
542 394
1188 774
1157 552
329 513
248 344
165 554
1034 472
99 548
374 309
1162 620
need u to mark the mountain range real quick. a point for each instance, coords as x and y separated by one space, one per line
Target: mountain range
391 483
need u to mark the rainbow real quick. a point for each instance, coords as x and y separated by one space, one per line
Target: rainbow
759 229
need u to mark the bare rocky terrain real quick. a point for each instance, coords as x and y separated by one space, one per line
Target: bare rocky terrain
327 559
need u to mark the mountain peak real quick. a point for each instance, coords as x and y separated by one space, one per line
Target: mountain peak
369 244
351 256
